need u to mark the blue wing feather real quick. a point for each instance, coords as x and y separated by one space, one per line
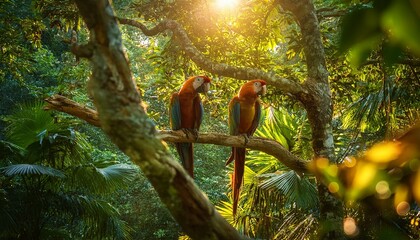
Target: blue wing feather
234 120
185 150
175 112
234 116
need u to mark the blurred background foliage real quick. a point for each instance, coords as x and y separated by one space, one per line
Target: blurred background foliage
62 178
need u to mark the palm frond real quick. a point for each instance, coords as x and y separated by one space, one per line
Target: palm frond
64 147
225 208
364 112
61 152
263 163
45 140
296 226
119 229
103 180
297 190
12 147
289 129
103 220
100 218
118 174
27 123
279 125
31 169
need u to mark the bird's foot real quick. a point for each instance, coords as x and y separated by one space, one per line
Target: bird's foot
189 131
186 132
246 138
195 133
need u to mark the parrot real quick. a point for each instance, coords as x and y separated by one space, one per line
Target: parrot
244 116
186 113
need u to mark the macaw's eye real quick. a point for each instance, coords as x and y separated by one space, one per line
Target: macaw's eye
199 79
257 84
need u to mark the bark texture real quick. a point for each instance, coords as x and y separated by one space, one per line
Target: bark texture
123 118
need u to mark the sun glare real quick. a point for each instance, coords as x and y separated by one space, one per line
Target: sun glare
227 4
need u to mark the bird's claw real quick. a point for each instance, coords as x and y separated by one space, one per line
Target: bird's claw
195 133
246 139
188 131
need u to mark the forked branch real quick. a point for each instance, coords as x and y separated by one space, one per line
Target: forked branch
284 84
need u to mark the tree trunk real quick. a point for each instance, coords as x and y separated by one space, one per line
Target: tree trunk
318 104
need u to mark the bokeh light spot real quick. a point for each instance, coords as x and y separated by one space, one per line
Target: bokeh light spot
333 187
382 188
350 227
322 163
333 170
384 152
402 208
365 174
350 162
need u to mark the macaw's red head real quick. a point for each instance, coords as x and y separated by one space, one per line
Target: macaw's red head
253 88
200 84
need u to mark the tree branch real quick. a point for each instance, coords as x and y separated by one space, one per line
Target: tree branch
329 12
271 147
63 104
286 85
268 146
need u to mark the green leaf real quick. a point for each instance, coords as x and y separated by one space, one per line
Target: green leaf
103 180
31 169
28 124
359 27
297 190
403 23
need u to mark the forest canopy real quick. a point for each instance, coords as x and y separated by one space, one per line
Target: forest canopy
88 150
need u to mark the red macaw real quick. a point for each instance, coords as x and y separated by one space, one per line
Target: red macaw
186 112
244 116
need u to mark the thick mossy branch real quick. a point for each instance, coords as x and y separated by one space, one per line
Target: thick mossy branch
286 85
268 146
63 104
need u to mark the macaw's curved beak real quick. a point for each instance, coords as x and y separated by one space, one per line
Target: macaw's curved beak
263 90
204 88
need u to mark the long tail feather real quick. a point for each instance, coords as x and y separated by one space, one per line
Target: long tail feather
232 157
185 151
238 175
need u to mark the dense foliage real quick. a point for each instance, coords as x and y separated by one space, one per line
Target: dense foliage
61 178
